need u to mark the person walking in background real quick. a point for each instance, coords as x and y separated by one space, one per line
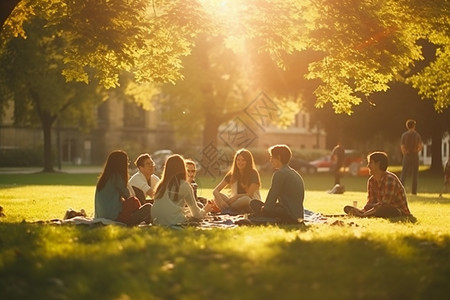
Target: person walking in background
144 181
284 201
338 157
244 181
410 145
386 196
113 198
173 194
446 186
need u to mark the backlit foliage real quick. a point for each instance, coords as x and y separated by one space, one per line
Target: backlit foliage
365 44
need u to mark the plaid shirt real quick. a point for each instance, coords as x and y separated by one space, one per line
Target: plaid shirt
388 190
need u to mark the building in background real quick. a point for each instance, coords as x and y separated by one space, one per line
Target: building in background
425 154
125 125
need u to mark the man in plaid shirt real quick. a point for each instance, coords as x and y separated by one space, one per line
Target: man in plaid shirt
386 195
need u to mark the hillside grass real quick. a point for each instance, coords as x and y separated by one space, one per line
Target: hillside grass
353 259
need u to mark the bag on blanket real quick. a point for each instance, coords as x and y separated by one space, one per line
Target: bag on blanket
129 206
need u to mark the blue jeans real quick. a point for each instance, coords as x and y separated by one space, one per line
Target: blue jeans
410 166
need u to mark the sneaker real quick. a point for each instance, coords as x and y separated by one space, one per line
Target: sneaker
350 210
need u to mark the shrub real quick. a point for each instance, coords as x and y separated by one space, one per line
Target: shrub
21 157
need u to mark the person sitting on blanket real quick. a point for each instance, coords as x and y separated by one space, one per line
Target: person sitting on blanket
284 201
173 193
113 198
191 172
144 181
244 181
386 196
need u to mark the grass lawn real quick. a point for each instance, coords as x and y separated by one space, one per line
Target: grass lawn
363 259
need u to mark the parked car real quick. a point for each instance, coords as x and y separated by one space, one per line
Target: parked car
355 163
159 157
302 166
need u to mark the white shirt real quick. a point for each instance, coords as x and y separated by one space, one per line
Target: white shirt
138 180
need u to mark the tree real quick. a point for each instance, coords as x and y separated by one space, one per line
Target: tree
212 92
31 80
362 45
87 42
105 38
365 44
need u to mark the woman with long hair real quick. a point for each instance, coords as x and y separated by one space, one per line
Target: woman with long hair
173 193
243 180
113 199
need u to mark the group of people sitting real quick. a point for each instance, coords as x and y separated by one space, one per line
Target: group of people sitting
173 199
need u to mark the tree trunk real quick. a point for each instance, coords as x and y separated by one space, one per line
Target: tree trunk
211 130
48 157
436 152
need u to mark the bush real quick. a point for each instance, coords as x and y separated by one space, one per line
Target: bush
21 157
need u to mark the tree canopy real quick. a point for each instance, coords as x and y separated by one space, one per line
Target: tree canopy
363 44
354 49
30 79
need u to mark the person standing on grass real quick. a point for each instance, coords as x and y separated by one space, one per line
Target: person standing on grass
386 196
144 181
284 201
244 182
338 156
113 198
410 145
446 187
173 193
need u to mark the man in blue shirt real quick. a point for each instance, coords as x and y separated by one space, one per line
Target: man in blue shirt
284 200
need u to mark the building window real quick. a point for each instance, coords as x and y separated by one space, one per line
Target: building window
69 150
134 115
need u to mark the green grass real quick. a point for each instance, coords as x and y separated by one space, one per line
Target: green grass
363 259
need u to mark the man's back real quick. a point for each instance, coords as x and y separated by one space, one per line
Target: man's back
289 189
411 141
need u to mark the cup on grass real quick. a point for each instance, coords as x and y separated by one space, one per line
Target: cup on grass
355 204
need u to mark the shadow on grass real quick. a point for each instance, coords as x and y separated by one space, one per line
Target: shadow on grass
76 262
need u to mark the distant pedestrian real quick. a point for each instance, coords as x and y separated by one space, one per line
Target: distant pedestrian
446 187
410 145
338 157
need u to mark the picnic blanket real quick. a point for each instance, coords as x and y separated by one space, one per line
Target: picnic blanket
224 221
232 221
81 220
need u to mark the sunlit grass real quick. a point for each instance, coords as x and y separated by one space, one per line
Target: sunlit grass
378 259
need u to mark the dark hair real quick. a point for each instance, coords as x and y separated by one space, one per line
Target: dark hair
379 157
174 171
410 123
234 173
139 162
117 162
282 151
